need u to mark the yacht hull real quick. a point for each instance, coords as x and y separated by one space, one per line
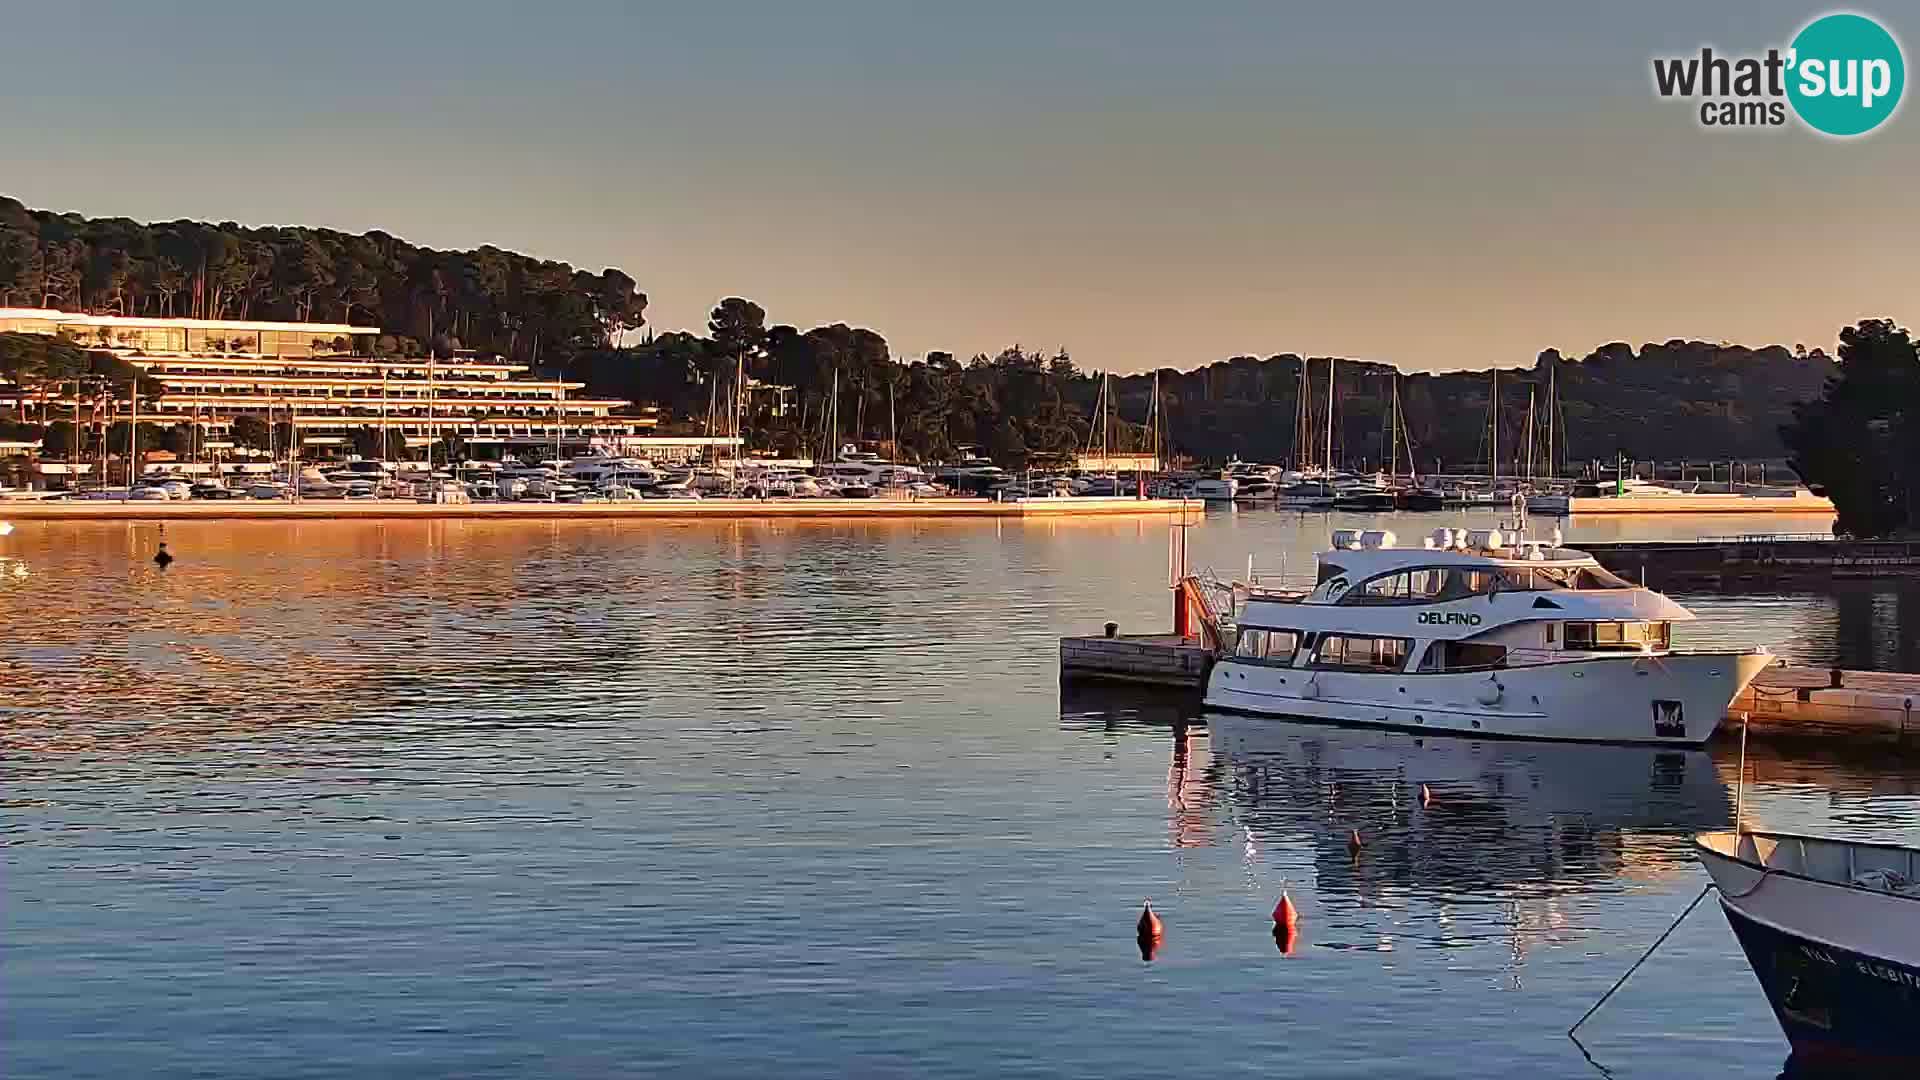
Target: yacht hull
1676 699
1839 965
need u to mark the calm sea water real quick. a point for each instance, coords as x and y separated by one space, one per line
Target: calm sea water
791 799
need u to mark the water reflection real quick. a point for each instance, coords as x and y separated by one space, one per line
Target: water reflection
1444 817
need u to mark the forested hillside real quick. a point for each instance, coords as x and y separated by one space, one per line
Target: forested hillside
1668 400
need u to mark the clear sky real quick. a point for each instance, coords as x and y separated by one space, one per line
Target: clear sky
1146 184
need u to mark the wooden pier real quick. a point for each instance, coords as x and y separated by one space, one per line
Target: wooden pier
1783 702
1156 659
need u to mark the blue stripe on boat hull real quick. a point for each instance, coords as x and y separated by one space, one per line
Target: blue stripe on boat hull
1836 1007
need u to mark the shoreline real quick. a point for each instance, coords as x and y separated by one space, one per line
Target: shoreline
644 509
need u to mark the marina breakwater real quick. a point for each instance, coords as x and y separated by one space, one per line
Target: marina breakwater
643 509
1757 560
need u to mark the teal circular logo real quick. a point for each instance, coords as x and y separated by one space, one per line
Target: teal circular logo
1846 75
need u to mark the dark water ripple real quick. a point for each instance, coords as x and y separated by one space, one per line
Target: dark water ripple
798 799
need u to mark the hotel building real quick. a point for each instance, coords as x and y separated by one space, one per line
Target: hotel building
321 378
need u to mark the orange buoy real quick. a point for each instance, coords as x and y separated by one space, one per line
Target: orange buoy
1426 796
1284 914
1150 925
1354 843
1286 937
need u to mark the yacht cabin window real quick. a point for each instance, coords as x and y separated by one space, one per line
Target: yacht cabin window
1401 587
1462 656
1261 643
1349 652
1618 636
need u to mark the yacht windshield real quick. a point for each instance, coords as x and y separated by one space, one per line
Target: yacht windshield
1433 583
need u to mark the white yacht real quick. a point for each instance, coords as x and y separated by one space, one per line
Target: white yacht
602 470
1477 632
972 474
1216 489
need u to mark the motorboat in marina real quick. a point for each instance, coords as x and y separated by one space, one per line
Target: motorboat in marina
599 470
1422 497
1557 500
550 489
445 491
1831 928
1254 482
1216 489
972 474
1480 632
1308 495
1366 494
859 468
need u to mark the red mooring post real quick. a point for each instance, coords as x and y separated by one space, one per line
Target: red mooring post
1182 612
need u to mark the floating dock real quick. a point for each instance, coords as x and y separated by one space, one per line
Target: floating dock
1784 701
1796 502
1717 561
22 510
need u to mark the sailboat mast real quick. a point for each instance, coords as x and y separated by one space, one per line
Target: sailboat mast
1493 458
1553 405
1393 434
1530 435
1329 466
1106 419
1153 421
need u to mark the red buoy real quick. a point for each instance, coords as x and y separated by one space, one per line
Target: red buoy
1284 914
1354 843
1150 926
1286 937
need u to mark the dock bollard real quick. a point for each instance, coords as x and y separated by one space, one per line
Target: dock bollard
1113 629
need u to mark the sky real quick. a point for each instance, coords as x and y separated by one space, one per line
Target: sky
1437 186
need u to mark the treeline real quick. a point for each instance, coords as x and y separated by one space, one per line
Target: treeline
805 390
535 310
1671 400
1678 399
1860 440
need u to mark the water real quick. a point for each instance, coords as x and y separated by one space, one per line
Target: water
571 798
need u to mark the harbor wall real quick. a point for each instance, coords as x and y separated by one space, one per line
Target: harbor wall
275 510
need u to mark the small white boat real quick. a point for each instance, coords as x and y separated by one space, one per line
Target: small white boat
1832 930
1478 632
